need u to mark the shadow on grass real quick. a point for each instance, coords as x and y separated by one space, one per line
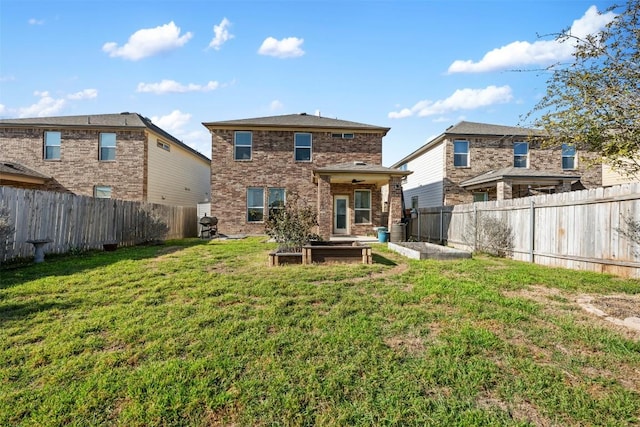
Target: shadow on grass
24 310
379 259
14 274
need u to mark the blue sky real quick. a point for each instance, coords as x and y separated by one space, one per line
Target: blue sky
414 66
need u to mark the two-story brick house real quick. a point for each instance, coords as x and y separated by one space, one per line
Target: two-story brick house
478 162
123 156
335 165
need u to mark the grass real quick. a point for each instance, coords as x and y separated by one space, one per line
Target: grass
203 333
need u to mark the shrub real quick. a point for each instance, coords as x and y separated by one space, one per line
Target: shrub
291 225
6 231
631 231
493 236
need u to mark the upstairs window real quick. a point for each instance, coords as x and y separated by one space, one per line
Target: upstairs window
255 204
52 142
302 147
568 156
164 146
363 206
342 135
276 200
242 144
520 154
461 154
107 146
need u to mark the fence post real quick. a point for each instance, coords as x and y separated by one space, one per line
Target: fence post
532 230
441 240
475 227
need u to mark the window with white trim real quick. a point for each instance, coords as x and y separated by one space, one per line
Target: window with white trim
520 154
568 156
255 204
461 153
362 206
107 144
302 147
242 145
52 143
164 145
102 192
414 202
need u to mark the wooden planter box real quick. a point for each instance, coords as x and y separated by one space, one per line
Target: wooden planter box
336 253
284 258
323 253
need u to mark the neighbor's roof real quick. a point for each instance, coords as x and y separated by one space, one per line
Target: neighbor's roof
517 173
13 168
124 120
301 121
471 129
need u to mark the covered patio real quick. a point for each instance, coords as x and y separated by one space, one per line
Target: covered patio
511 183
350 198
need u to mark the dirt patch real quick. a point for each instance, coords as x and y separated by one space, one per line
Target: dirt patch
520 411
410 343
620 309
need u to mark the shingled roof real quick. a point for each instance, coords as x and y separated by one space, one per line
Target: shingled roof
302 120
124 120
17 169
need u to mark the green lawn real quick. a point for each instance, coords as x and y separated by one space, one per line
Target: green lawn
204 333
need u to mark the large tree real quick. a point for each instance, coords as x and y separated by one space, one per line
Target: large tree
593 102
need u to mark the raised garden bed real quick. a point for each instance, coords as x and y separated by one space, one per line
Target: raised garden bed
424 250
325 252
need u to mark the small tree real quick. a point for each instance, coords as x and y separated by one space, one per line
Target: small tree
291 225
592 102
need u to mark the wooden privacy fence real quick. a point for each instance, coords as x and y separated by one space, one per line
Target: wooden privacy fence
581 230
81 222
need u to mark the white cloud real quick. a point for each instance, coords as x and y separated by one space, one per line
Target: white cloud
84 94
222 34
461 99
172 86
3 109
172 122
542 52
285 48
148 42
34 21
276 105
46 106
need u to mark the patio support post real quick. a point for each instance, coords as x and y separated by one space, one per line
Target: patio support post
564 187
395 200
325 207
504 190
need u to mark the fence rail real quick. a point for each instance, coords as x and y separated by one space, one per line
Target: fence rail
81 222
580 230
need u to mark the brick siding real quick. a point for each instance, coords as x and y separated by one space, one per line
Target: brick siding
273 166
491 153
79 169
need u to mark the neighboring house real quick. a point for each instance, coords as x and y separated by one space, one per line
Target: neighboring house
335 165
122 156
478 162
612 176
